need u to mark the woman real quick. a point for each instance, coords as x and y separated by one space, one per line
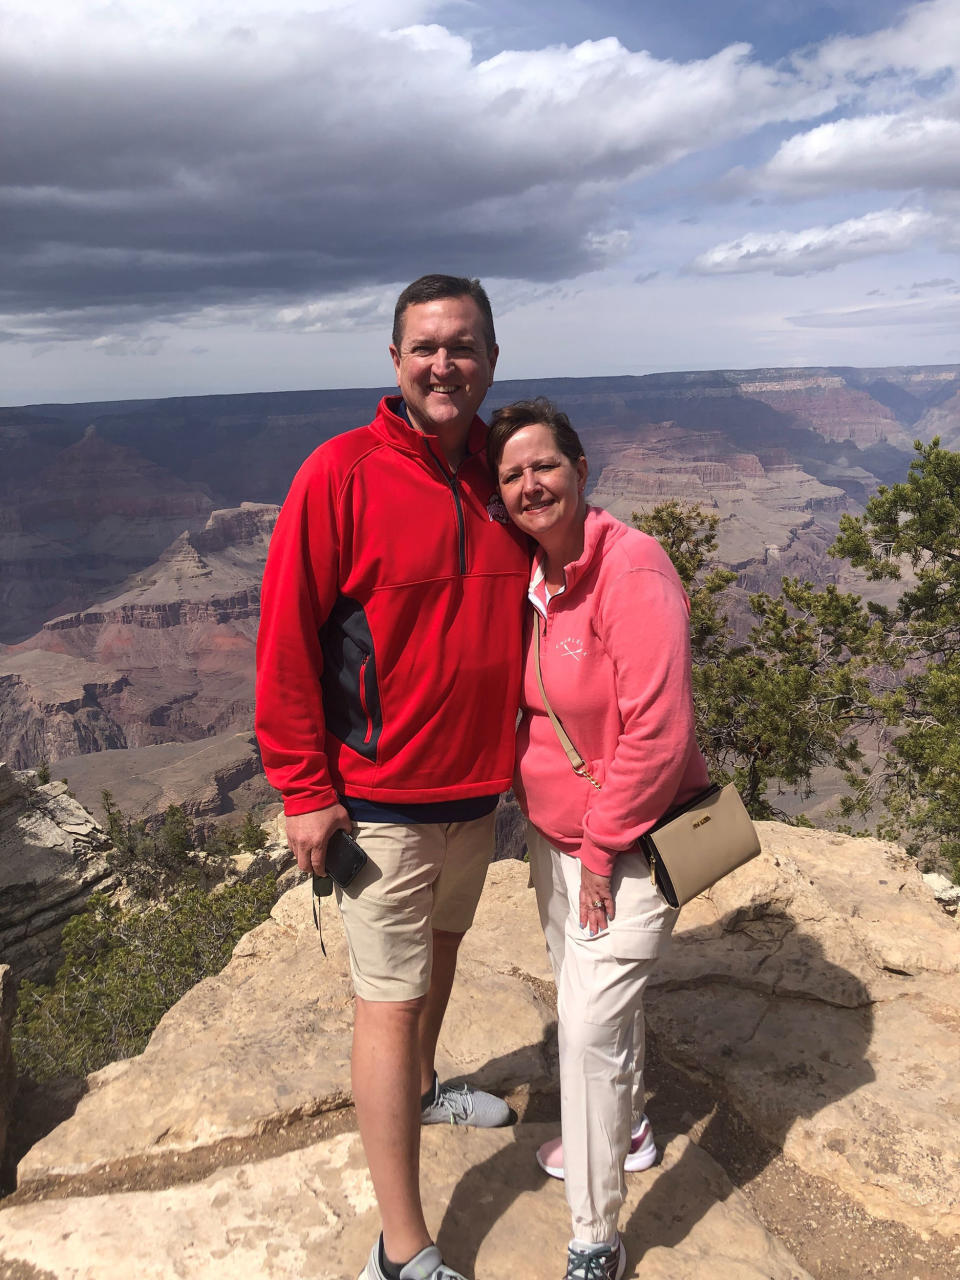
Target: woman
613 626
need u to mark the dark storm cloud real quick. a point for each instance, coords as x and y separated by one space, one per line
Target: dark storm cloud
159 161
154 176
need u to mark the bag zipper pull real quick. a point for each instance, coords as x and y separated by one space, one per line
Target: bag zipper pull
653 869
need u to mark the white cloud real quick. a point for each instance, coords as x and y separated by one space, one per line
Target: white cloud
935 313
601 110
363 310
899 130
169 157
819 248
893 152
925 41
911 144
120 344
281 167
111 27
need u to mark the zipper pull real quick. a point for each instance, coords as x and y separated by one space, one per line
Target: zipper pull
653 869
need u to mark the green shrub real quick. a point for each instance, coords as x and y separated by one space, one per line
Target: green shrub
251 835
788 698
123 969
150 859
223 842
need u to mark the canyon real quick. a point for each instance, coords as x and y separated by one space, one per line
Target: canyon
53 857
802 1029
133 534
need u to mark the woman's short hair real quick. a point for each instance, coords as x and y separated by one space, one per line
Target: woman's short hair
512 418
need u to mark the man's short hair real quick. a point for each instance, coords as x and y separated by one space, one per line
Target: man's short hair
435 287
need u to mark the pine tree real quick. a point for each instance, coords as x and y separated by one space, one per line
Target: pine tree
788 699
915 527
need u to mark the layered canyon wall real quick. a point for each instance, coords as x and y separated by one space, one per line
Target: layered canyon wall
133 535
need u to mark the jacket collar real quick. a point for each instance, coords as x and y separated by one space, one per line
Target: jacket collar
600 530
393 424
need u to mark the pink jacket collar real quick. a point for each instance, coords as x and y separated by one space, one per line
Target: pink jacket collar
600 530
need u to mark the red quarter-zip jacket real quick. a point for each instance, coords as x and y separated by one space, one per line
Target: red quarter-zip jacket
389 651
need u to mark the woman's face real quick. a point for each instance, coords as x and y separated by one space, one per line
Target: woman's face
541 488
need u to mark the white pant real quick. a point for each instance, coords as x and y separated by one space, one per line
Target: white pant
600 985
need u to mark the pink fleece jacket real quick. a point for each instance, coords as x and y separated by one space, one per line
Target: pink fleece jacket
615 655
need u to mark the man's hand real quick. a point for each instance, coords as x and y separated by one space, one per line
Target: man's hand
308 833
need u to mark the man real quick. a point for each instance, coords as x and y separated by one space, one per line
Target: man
388 673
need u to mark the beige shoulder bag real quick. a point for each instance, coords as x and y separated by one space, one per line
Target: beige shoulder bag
692 846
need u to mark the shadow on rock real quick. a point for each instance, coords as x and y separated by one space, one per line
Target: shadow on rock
775 1030
766 1025
37 1110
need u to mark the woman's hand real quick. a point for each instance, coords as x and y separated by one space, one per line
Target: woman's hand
596 901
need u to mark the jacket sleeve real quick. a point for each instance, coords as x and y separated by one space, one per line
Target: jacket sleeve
299 590
644 625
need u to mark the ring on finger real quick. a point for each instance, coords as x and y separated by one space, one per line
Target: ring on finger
596 904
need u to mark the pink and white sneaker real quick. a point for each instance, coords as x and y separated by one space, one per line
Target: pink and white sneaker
641 1154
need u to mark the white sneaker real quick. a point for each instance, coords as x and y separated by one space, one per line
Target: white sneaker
427 1265
641 1154
463 1105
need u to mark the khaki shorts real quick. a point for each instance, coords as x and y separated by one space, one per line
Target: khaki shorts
417 878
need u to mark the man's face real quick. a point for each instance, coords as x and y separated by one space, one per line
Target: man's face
443 366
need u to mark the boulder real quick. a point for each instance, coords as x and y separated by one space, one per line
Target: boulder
267 1041
816 989
945 891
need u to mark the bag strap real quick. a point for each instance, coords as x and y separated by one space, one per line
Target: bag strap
572 754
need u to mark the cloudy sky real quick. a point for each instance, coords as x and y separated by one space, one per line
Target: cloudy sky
201 196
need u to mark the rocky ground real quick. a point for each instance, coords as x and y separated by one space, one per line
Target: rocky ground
804 1036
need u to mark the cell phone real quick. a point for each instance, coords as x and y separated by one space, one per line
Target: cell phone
344 858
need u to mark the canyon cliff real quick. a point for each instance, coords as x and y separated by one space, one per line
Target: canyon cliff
133 534
76 520
168 658
53 857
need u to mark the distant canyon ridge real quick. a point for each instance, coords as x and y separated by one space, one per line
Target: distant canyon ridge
133 535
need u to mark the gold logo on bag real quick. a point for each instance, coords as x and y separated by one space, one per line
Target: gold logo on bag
701 821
